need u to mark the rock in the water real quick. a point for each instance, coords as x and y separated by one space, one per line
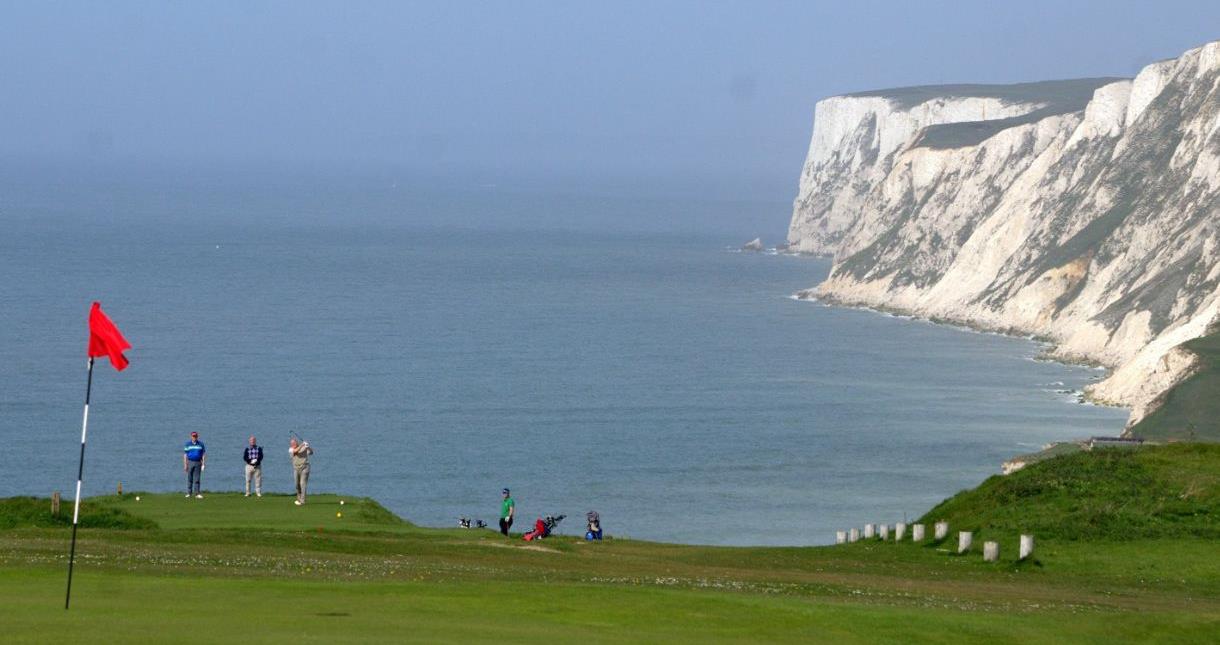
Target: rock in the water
753 245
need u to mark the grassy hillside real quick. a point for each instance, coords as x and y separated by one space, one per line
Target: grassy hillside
263 570
34 512
1109 494
1191 410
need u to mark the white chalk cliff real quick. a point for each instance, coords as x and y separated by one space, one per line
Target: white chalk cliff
1085 212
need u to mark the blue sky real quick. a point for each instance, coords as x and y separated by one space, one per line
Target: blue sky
722 91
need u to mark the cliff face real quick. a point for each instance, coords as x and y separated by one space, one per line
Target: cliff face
1082 211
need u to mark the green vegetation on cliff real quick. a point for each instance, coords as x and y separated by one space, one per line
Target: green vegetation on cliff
1126 552
1107 494
1190 411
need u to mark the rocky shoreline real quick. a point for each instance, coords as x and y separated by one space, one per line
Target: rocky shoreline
1079 213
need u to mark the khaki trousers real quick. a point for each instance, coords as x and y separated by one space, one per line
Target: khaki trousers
301 475
255 473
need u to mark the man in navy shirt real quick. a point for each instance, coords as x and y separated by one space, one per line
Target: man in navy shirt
194 457
254 467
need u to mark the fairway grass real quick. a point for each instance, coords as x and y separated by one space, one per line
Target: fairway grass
115 607
269 512
229 568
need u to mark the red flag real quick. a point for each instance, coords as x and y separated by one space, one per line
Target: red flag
105 339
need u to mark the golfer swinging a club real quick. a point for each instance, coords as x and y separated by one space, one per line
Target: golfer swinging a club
300 452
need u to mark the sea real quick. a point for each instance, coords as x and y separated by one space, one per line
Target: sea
436 346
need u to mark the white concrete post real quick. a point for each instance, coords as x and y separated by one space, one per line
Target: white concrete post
964 540
917 532
991 551
853 535
1027 546
941 530
840 537
869 531
883 532
900 531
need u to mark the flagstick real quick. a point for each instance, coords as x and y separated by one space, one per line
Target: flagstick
80 474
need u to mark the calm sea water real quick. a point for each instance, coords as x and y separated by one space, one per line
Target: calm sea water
660 379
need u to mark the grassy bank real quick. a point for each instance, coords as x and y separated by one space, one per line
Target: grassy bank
263 570
1108 494
1190 411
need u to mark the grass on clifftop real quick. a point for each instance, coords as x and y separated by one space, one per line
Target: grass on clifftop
18 512
1190 411
271 512
1108 494
263 570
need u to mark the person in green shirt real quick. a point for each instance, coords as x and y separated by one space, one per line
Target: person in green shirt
507 508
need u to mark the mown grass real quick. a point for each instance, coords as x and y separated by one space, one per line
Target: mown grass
1190 411
269 512
263 570
209 610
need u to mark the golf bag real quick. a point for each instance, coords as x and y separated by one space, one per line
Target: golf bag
465 523
543 527
593 531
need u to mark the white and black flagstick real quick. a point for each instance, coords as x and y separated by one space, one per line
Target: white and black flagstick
80 475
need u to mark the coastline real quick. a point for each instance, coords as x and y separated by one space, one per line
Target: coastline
1049 345
1046 354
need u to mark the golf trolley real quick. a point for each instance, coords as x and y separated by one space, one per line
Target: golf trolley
543 527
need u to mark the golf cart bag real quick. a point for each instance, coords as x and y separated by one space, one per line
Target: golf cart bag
465 523
594 529
543 527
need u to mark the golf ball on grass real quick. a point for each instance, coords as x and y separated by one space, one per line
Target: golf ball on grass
137 498
338 514
341 502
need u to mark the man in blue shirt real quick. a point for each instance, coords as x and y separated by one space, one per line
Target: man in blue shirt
194 457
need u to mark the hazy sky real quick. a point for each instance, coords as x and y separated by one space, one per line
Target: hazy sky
712 89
